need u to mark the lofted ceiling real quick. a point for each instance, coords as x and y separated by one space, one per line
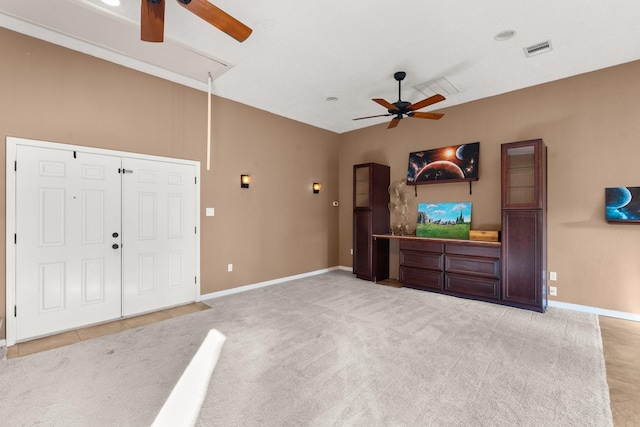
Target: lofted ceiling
302 53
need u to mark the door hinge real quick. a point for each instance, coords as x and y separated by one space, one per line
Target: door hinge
195 230
15 311
75 155
195 279
15 165
195 180
15 239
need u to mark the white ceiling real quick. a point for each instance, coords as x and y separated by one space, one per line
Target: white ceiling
300 53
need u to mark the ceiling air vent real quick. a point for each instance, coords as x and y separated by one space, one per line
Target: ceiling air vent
537 49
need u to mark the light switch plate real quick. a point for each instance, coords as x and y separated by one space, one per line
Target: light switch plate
210 212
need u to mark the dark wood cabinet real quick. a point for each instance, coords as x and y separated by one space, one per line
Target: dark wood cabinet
461 268
422 264
370 216
524 225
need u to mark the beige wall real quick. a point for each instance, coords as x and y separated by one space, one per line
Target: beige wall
279 228
591 126
276 228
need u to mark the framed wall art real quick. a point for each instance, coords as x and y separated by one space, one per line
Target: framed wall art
446 164
622 204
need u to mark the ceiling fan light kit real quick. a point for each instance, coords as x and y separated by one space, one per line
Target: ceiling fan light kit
152 19
401 108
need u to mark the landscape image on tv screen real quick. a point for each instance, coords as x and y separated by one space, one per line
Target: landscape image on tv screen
444 220
622 204
454 163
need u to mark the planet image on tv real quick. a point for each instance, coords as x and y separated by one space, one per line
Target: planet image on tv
441 169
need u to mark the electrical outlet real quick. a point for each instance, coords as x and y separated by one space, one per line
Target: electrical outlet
553 291
553 276
229 268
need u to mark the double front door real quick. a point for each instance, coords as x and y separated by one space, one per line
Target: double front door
99 237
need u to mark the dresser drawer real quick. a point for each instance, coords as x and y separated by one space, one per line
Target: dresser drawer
477 286
421 245
415 277
488 267
430 260
488 251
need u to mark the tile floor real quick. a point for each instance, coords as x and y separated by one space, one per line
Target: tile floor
621 347
70 337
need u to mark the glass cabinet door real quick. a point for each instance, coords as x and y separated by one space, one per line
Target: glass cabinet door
521 175
361 187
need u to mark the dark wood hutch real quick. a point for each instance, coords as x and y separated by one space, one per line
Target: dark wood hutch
511 272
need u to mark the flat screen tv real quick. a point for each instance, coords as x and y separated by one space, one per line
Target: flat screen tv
446 164
444 220
622 204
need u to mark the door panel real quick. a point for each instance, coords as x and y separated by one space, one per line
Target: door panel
76 264
159 237
67 273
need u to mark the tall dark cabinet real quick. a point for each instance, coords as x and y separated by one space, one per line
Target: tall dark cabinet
370 216
524 224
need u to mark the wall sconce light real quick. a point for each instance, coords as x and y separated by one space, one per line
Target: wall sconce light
316 187
245 180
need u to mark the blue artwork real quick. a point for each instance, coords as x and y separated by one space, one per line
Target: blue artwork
622 204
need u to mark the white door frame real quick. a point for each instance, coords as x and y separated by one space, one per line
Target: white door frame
10 219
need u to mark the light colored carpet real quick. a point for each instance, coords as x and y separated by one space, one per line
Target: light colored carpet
182 407
330 350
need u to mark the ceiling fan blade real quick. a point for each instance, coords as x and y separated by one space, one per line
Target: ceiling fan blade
152 20
385 104
433 116
371 117
218 18
426 102
393 123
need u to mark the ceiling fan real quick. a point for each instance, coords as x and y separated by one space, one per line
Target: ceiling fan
401 108
152 19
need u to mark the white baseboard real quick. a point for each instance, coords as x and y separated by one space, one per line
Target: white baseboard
267 283
595 310
558 304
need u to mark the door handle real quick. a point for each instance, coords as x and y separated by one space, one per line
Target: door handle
115 234
115 246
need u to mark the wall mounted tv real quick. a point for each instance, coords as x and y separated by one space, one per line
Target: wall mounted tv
622 204
446 164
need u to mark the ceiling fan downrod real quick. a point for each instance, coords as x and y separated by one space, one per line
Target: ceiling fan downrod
399 76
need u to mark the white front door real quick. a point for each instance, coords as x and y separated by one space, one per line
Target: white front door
68 271
94 243
159 235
